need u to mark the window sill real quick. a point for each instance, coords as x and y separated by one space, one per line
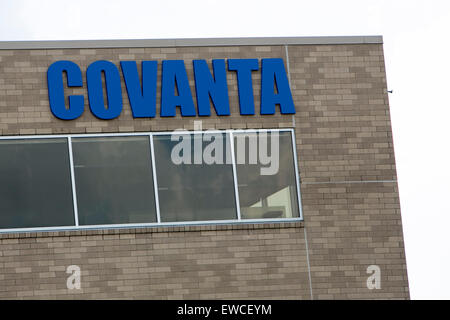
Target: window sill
123 230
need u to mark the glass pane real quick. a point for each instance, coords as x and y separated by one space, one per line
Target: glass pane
113 180
195 180
35 188
266 175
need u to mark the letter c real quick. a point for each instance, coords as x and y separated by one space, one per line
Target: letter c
56 90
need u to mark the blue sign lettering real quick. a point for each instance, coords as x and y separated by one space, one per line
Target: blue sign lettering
244 68
214 87
95 89
142 97
211 88
174 78
273 78
56 90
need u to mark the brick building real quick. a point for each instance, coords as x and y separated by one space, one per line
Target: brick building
99 191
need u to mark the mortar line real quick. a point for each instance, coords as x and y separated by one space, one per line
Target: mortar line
349 182
309 265
289 76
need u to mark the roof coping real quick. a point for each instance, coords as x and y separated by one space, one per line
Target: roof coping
188 42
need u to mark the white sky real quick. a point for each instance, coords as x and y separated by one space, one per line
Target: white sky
417 48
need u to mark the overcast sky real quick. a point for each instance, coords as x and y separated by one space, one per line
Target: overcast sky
417 54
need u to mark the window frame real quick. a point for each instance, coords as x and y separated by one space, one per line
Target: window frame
158 223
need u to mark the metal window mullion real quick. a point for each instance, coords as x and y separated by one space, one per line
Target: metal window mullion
297 176
72 174
236 188
155 179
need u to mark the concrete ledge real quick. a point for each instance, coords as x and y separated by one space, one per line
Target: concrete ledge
199 42
159 229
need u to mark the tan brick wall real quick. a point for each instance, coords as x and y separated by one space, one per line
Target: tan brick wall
348 189
347 168
196 262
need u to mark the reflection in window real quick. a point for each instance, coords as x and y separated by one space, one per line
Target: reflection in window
194 177
114 180
266 175
35 188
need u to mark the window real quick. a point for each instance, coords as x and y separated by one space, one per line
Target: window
192 187
266 175
140 179
114 180
35 188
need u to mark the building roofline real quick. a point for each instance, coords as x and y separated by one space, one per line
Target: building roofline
188 42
